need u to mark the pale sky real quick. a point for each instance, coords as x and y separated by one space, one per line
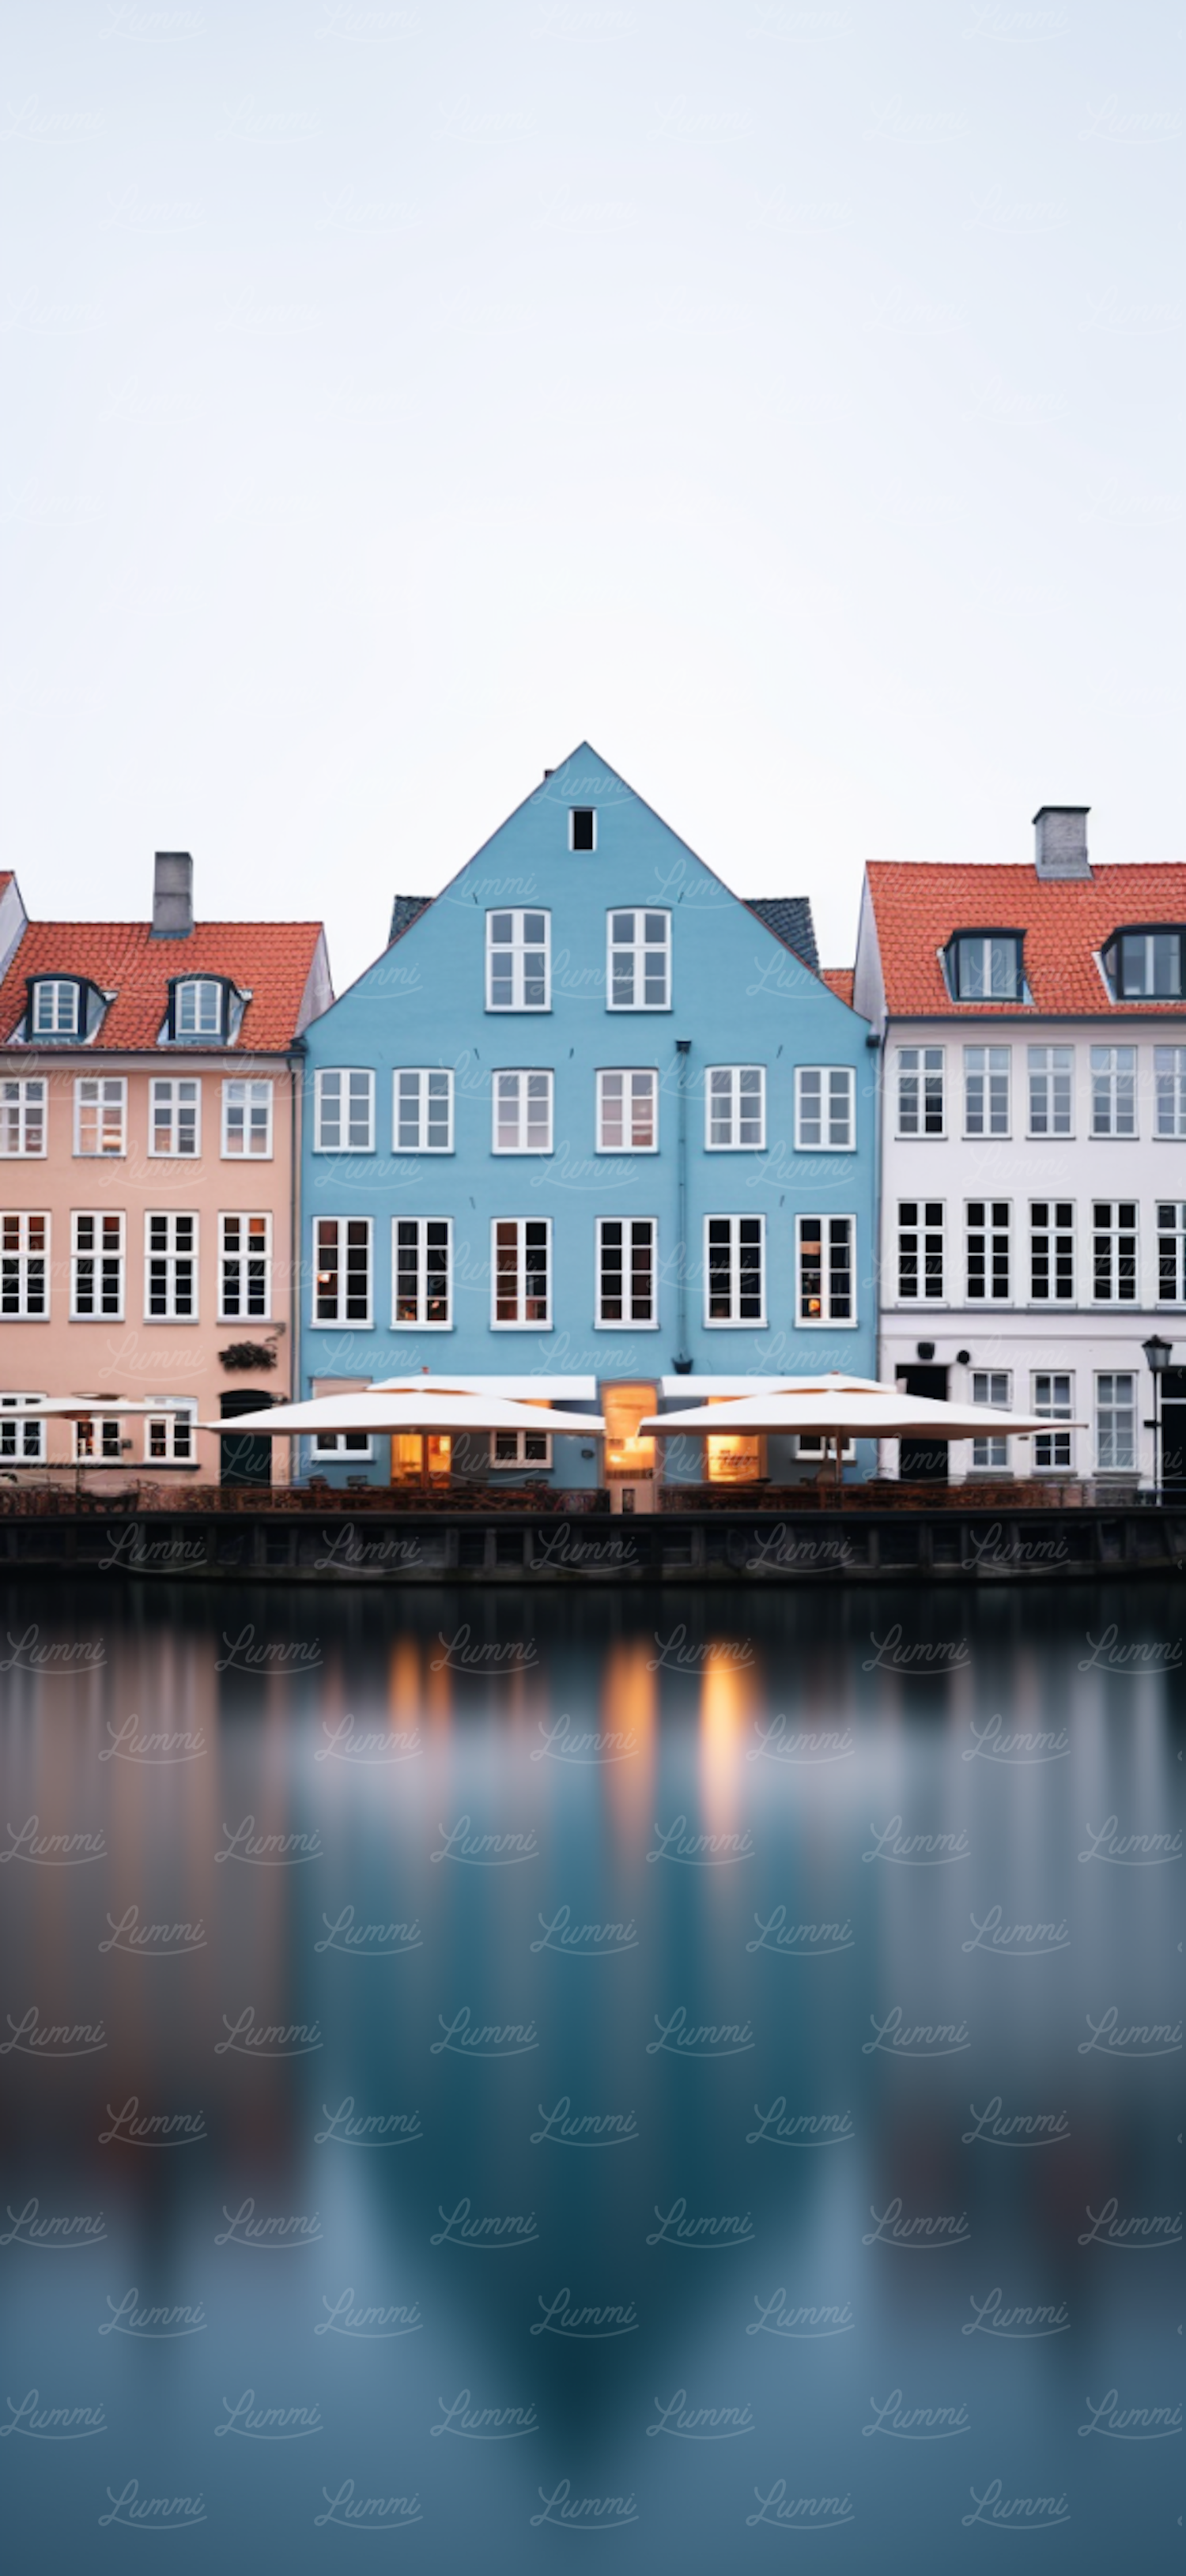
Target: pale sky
784 396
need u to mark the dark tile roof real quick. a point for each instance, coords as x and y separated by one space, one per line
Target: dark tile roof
789 917
406 909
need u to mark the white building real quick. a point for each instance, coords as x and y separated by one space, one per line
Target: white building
1033 1148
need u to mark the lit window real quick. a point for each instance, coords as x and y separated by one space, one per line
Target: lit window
991 1386
176 1124
986 1091
24 1268
627 1266
245 1268
735 1108
1052 1251
22 1116
825 1270
1052 1398
97 1265
639 964
423 1111
342 1270
1114 1091
628 1111
247 1121
1050 1078
344 1111
824 1111
522 1267
920 1248
421 1272
1114 1252
522 1113
920 1091
735 1270
170 1268
518 961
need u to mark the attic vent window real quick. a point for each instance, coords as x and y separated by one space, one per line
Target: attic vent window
582 828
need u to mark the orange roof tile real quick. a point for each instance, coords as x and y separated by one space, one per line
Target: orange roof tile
918 904
270 959
839 981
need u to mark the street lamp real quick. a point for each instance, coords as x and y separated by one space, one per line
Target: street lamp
1157 1353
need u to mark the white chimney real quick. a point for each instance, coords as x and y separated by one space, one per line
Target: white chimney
1060 841
173 895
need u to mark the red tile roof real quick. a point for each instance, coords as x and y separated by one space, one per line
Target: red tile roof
918 905
839 981
271 959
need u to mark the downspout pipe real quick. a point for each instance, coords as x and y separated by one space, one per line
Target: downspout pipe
682 1359
296 1067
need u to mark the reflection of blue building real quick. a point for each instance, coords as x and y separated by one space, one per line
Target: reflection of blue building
590 1115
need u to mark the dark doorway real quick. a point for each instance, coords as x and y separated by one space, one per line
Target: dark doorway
1173 1434
923 1462
247 1461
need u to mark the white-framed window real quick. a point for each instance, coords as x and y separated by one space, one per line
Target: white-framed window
991 1386
1114 1252
24 1267
988 1266
422 1272
811 1444
97 1265
986 1090
170 1267
198 1007
921 1110
920 1249
422 1110
56 1007
825 1109
21 1441
344 1110
582 827
170 1437
244 1267
734 1270
825 1270
100 1113
520 1448
1169 1085
342 1270
519 961
1051 1089
1115 1420
1113 1091
22 1115
247 1121
734 1108
1171 1252
628 1271
628 1110
341 1444
1052 1252
638 961
522 1107
521 1273
1053 1392
99 1438
175 1117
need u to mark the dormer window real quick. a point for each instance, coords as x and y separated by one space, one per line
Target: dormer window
1145 964
63 1008
203 1010
985 966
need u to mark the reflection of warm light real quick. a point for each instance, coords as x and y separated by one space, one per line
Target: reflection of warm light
724 1716
630 1709
403 1688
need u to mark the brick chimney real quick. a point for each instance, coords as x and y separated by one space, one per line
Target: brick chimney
172 895
1060 841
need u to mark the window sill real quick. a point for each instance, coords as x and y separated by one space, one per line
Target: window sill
400 1325
748 1324
521 1328
624 1324
323 1324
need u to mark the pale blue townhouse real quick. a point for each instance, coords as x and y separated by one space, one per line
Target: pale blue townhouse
593 1125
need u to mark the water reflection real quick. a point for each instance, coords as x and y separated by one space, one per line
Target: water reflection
537 2055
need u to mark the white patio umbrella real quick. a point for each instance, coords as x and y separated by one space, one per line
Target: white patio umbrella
837 1407
414 1405
80 1408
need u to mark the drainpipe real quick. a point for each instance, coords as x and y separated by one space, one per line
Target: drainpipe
296 1062
874 1042
682 1361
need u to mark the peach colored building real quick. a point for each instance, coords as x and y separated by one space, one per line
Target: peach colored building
150 1089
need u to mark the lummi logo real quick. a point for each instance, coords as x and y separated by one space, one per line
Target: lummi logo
897 2037
1117 2423
485 1851
1144 2235
152 2325
1110 2037
904 2423
993 1742
991 2316
32 2037
584 2325
368 2325
1108 1654
273 2235
777 2316
465 2037
37 2423
1016 2513
51 1851
699 1851
996 2127
916 1851
780 1741
923 2235
1131 1851
59 2235
799 1940
56 1660
1016 1940
800 2513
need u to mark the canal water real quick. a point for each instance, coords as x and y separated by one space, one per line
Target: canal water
493 2080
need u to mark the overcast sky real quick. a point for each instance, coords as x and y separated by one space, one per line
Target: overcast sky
783 395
